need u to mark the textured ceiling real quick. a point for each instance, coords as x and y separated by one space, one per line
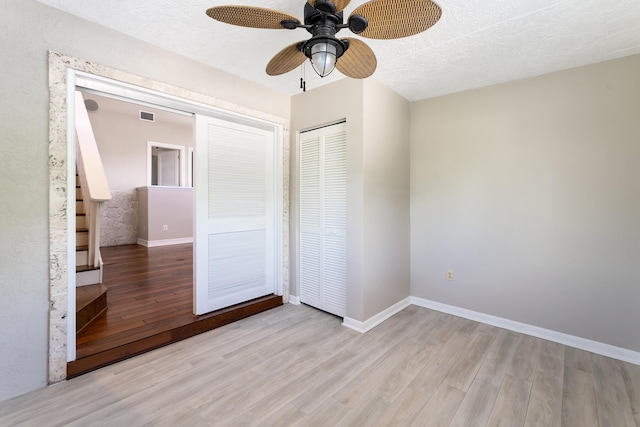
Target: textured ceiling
476 43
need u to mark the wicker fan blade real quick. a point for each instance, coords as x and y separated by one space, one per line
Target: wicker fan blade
358 62
393 19
339 4
285 60
249 16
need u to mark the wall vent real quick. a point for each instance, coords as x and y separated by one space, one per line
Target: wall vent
147 116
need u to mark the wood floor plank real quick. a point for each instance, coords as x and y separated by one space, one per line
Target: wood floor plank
287 416
428 380
464 371
499 358
476 405
577 359
441 408
612 400
510 408
327 414
578 399
366 413
351 394
631 378
404 409
551 357
397 380
545 403
526 358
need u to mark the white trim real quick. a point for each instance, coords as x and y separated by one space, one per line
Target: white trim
164 242
190 166
375 320
294 300
535 331
279 209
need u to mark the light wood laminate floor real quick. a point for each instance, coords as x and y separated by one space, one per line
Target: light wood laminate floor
296 366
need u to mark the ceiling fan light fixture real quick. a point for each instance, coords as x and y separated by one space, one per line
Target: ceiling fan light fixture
323 58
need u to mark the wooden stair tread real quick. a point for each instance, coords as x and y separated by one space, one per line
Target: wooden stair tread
81 268
86 294
80 248
91 303
82 230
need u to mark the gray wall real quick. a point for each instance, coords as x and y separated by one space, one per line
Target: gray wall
29 30
377 188
530 192
386 197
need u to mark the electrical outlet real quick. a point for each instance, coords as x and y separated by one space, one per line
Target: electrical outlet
449 274
165 227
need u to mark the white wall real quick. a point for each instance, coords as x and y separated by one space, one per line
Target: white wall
530 192
29 30
160 206
122 139
377 188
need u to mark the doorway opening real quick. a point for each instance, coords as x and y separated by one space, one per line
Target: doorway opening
166 164
67 74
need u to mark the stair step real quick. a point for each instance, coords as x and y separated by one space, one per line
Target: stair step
87 276
82 256
81 268
82 238
91 302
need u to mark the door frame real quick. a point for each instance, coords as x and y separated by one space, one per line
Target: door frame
182 165
66 74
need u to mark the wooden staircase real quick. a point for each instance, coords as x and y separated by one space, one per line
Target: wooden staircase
91 294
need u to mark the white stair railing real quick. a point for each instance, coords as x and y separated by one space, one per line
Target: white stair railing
93 181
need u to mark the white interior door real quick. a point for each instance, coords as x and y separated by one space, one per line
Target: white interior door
323 218
235 214
169 168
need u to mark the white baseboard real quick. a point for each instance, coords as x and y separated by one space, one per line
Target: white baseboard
294 300
165 242
523 328
374 321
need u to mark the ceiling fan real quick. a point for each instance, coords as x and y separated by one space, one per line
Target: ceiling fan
376 19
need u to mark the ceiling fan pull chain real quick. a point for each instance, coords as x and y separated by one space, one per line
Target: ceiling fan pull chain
303 82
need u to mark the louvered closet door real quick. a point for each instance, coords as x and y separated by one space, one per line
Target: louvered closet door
234 235
323 218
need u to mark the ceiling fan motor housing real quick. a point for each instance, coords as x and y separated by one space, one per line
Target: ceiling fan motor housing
323 22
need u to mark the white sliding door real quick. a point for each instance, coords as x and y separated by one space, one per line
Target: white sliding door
235 213
323 218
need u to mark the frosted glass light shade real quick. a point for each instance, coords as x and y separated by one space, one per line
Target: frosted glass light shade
323 58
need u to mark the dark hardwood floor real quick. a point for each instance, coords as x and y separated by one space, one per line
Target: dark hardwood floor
150 304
